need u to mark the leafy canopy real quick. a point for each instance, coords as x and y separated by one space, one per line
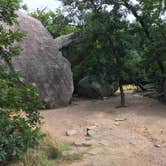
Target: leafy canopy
55 22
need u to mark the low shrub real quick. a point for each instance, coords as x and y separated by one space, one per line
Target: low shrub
17 134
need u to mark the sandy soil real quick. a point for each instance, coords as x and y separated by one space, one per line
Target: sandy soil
136 134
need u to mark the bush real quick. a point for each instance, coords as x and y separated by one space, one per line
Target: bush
16 95
17 134
19 119
20 122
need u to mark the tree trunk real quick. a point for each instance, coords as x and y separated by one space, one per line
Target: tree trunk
164 87
122 95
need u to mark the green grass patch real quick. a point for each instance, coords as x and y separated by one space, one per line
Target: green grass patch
50 152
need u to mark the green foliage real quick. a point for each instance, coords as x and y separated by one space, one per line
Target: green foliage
128 52
144 37
49 153
107 46
17 134
20 121
55 22
7 10
15 95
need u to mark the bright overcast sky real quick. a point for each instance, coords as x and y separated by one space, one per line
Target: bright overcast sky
50 4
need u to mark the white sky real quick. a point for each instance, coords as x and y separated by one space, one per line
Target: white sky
50 4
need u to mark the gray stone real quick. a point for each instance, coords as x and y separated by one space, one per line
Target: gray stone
69 153
83 143
70 50
104 142
157 145
116 123
64 40
71 132
91 127
94 151
120 119
95 89
42 64
91 133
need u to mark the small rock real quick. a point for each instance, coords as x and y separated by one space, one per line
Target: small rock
105 98
83 143
91 127
138 95
104 142
78 143
91 133
87 143
69 153
116 123
157 145
94 151
123 119
71 132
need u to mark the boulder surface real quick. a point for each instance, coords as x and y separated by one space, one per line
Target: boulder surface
42 64
69 45
96 89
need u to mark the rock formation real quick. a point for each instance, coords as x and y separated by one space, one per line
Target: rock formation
42 64
96 89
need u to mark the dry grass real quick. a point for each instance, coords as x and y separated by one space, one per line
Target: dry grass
129 87
48 153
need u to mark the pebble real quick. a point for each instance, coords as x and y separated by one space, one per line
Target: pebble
116 123
157 145
69 153
71 132
120 119
94 151
91 133
83 143
91 127
104 142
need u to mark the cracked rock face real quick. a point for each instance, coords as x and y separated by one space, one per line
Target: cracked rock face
42 64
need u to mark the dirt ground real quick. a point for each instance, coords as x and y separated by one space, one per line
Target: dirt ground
134 136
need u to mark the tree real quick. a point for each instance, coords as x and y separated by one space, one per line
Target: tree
150 16
20 121
106 38
55 22
107 44
148 32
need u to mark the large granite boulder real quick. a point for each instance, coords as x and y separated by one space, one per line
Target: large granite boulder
69 46
65 40
96 89
42 64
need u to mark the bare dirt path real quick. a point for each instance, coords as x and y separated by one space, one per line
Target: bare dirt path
132 136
